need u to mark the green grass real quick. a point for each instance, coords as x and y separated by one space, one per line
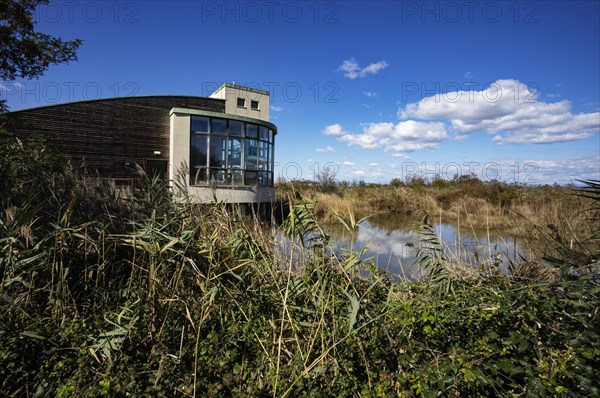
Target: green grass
104 293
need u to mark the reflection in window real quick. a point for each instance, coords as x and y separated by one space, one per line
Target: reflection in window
236 128
217 176
199 174
217 151
230 152
263 178
198 158
254 105
252 130
264 133
235 153
251 178
218 126
251 154
199 124
236 177
263 155
271 157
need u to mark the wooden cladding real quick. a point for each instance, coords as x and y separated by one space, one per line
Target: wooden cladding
109 136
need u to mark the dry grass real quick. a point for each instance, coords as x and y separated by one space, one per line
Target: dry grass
530 212
105 295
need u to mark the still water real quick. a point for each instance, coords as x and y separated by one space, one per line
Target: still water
392 241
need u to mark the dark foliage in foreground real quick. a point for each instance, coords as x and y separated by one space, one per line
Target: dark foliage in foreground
106 293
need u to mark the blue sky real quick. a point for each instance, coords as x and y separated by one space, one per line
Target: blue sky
376 89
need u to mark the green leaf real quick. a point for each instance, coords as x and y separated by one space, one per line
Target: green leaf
354 307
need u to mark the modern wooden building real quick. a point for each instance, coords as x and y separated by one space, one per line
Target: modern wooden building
223 145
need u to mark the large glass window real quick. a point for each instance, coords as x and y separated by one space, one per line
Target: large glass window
200 124
252 131
263 155
199 156
230 152
251 178
251 154
264 133
271 157
218 126
218 151
236 152
236 128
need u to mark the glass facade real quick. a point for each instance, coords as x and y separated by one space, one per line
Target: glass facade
230 152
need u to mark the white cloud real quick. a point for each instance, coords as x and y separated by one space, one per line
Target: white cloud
561 171
326 149
353 70
351 173
370 94
541 171
349 164
406 136
509 110
400 156
276 108
593 105
373 164
334 130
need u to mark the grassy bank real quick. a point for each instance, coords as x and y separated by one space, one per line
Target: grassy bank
105 294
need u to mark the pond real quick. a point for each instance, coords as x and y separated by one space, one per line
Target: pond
392 241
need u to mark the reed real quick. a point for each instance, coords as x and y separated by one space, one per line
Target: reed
112 293
524 211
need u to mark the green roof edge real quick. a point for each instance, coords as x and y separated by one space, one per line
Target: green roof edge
223 115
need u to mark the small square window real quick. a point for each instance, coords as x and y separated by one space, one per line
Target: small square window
241 102
254 105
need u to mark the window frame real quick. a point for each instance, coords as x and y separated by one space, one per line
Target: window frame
251 169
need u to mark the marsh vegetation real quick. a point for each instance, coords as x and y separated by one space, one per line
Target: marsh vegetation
514 209
112 294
